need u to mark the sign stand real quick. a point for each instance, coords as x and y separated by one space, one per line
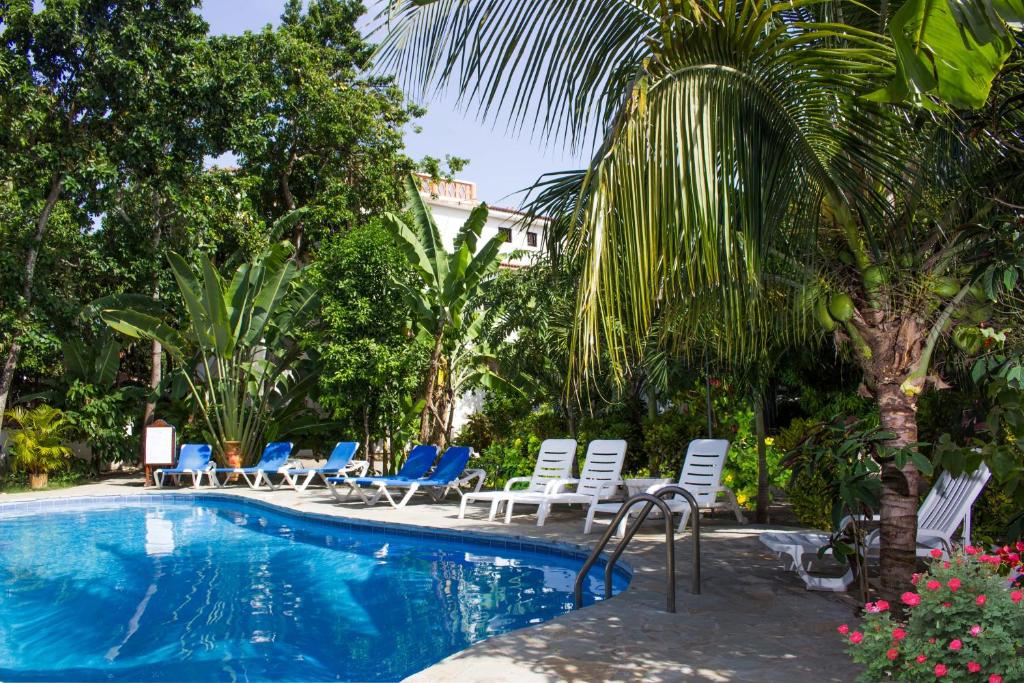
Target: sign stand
159 447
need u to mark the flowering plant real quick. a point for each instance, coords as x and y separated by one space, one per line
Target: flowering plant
963 624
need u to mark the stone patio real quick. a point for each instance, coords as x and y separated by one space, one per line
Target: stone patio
751 622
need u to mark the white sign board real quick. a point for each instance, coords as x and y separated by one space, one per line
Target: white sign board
159 445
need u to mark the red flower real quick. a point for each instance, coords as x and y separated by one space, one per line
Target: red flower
933 585
936 553
956 644
995 678
1016 596
844 629
856 637
971 550
947 604
921 659
898 634
892 654
973 667
981 599
911 599
915 578
876 607
976 629
954 585
940 670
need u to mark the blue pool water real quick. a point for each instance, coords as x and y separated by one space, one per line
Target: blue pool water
220 590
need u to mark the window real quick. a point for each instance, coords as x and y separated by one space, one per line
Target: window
531 239
506 233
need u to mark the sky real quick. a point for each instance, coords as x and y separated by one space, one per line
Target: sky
501 164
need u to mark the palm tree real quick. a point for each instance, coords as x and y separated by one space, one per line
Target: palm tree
38 443
736 155
445 307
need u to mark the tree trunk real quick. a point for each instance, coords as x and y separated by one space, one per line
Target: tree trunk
155 350
898 415
13 353
762 459
426 417
366 430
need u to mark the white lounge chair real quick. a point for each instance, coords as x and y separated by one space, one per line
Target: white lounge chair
946 509
701 476
600 479
554 463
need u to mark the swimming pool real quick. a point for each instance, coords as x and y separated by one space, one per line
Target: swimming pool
176 588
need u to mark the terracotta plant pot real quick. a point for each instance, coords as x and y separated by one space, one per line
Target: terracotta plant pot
38 481
233 455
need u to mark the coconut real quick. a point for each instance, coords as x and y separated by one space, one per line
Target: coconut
821 313
840 307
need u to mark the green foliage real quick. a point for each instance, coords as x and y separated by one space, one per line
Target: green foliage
740 473
665 439
963 621
37 443
508 458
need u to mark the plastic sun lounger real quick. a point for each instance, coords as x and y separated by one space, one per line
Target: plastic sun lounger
420 459
450 474
273 461
554 463
946 509
339 464
194 461
599 480
701 475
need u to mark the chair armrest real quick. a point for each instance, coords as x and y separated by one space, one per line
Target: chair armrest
470 475
849 519
360 467
556 485
517 480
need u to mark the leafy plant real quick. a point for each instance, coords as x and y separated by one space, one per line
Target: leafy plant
37 445
238 352
963 624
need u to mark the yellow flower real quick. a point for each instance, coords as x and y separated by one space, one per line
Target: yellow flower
769 440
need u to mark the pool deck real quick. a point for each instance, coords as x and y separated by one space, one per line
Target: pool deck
751 622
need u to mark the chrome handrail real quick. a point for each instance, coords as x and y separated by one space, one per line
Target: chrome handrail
651 500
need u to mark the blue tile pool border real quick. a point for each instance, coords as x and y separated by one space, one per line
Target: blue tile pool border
504 541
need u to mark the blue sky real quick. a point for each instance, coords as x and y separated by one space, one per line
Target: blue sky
500 164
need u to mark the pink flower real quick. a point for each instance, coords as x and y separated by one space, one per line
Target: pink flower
931 640
933 585
981 599
1016 596
956 644
843 630
892 654
921 659
911 599
995 678
946 565
940 670
971 550
947 604
876 607
936 553
915 578
898 634
973 667
856 637
954 585
976 629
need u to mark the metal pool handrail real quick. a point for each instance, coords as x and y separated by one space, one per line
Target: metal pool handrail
651 500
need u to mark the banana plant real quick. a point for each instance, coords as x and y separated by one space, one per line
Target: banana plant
237 350
445 303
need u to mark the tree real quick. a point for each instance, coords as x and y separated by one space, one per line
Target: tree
78 86
444 302
307 123
737 154
238 352
370 362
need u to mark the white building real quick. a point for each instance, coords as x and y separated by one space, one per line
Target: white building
451 202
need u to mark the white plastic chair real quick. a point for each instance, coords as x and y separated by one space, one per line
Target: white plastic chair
600 479
946 509
701 476
554 463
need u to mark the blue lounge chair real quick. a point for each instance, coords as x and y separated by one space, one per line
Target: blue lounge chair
273 461
340 464
193 460
450 473
416 465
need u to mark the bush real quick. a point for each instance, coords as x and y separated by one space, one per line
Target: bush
665 440
508 458
964 624
740 473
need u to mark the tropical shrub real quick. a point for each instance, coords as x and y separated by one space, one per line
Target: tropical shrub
740 473
508 458
37 445
963 623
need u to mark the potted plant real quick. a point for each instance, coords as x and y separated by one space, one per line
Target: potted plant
37 444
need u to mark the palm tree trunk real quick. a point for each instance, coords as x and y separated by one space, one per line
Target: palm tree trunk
898 415
426 417
762 458
156 350
14 352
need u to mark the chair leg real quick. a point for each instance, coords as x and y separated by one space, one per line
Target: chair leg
588 525
495 504
508 511
462 507
542 513
405 499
